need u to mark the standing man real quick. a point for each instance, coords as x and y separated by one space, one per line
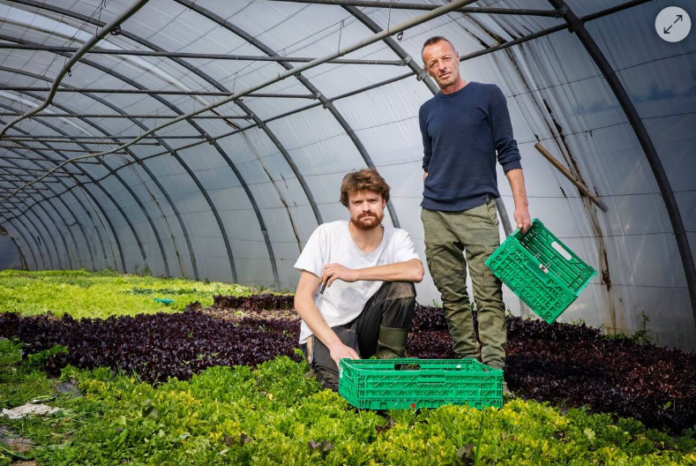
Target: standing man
464 126
368 270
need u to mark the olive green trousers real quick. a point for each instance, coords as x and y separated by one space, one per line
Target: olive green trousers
453 241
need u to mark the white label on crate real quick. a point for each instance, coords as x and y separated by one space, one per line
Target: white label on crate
566 255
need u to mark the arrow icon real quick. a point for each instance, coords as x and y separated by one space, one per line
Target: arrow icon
672 24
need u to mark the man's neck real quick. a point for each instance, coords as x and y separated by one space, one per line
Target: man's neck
454 87
366 240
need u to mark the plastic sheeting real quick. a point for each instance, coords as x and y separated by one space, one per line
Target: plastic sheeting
242 209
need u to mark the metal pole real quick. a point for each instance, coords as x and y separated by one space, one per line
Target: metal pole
92 139
570 177
204 56
39 171
426 7
140 117
88 90
32 159
62 150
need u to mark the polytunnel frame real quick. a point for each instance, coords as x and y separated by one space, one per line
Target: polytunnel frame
106 192
299 176
63 218
138 161
88 44
257 120
262 125
245 108
408 60
23 238
89 175
205 56
39 233
326 103
35 239
65 205
135 197
81 184
575 24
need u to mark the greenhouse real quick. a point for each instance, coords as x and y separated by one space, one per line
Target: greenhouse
211 212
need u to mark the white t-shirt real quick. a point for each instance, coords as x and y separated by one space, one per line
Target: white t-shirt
331 243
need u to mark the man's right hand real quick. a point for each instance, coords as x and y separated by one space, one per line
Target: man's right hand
340 351
425 175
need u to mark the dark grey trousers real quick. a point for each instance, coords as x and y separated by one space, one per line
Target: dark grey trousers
392 306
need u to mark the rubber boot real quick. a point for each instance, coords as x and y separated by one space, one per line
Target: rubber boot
391 342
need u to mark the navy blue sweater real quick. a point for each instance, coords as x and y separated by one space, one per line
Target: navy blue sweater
461 134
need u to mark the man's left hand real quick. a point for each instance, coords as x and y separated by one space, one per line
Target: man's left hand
333 272
523 219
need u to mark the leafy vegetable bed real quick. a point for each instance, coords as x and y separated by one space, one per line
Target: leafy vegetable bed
102 294
567 364
575 365
259 302
155 346
274 415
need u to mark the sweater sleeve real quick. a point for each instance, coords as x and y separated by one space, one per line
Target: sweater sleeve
506 146
427 143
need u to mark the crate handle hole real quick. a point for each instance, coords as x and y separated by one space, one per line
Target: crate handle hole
559 249
407 367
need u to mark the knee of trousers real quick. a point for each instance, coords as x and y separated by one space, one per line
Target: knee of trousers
450 284
452 291
401 290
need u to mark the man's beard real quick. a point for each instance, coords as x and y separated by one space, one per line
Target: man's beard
376 221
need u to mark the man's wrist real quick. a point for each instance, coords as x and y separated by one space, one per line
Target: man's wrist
334 345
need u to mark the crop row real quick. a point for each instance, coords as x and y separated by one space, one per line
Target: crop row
569 364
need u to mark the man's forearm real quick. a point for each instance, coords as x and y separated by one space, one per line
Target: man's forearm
309 313
409 271
519 194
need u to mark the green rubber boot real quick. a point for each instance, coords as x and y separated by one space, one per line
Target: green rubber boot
391 342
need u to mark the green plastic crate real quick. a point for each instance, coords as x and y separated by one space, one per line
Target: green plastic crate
541 270
409 383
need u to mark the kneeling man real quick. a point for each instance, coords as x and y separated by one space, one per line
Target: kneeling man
356 293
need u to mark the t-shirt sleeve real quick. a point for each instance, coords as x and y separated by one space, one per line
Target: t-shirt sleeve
404 249
312 257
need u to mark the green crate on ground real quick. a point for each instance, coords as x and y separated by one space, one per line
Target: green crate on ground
541 270
409 383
